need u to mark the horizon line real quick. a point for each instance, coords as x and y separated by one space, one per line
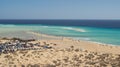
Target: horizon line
59 19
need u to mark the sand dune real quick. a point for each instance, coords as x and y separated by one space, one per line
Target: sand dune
59 58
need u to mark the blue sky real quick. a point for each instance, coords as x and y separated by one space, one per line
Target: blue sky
59 9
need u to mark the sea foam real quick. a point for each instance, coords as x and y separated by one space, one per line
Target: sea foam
74 29
7 25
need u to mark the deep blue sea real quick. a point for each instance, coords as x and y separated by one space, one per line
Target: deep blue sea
103 31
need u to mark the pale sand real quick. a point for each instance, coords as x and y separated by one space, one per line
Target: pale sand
85 45
63 55
58 58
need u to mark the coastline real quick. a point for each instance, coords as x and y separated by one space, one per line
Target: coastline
65 52
61 37
86 45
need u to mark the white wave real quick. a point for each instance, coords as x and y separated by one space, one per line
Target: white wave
7 25
75 29
101 43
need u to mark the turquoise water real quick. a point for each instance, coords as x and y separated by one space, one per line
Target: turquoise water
102 35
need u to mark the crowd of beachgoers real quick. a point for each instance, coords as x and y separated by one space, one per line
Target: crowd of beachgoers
15 44
15 52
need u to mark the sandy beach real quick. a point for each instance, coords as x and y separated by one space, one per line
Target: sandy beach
65 52
64 42
59 33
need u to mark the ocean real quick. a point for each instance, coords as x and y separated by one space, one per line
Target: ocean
101 31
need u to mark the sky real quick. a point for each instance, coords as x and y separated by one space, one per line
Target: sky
59 9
